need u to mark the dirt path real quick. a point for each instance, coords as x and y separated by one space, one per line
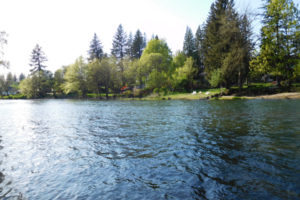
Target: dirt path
286 95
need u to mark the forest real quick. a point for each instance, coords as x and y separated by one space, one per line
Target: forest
223 53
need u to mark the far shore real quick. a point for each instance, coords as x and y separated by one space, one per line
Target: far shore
212 95
203 96
285 95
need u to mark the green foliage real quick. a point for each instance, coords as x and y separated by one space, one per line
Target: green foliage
119 45
28 87
227 44
280 36
37 85
220 52
104 76
76 78
179 59
95 51
297 70
158 46
21 77
183 76
199 38
131 72
8 84
156 79
128 93
216 78
58 86
155 64
189 47
138 45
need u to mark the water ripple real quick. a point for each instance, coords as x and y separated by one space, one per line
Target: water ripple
70 149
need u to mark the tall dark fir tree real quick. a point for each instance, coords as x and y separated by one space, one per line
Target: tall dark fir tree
138 45
96 49
189 47
38 58
199 38
41 78
224 46
119 43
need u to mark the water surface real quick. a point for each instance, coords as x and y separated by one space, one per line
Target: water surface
71 149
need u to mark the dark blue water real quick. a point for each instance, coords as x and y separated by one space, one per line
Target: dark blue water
68 149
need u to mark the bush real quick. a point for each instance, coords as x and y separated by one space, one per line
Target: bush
156 91
91 95
15 96
128 93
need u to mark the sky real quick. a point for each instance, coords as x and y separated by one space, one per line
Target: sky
64 28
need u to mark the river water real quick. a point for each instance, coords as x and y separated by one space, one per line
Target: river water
73 149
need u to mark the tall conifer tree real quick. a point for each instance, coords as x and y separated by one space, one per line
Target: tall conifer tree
138 45
189 47
119 43
280 39
38 58
95 51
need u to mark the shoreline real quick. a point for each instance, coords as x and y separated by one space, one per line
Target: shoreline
187 96
284 95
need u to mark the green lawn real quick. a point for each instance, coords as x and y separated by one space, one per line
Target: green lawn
200 94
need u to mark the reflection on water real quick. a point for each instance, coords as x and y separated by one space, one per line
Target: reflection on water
64 149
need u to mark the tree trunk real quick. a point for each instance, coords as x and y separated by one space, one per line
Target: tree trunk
240 81
98 92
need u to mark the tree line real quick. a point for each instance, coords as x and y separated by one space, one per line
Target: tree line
222 53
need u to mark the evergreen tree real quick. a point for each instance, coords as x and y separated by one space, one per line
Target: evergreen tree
21 77
95 51
129 46
8 83
37 60
280 40
15 78
199 37
212 44
226 45
189 47
41 78
119 43
138 45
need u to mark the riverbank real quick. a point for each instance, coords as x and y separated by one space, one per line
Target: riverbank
211 94
284 95
196 95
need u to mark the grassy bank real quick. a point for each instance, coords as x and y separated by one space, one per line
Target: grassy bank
196 95
253 91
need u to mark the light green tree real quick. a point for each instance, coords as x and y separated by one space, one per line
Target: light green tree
58 81
76 78
104 76
155 64
183 76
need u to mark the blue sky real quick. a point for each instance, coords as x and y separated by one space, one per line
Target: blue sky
64 28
